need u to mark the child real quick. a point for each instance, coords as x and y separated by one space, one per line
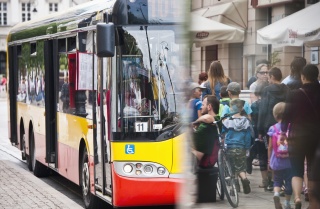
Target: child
279 159
225 100
238 140
195 103
234 91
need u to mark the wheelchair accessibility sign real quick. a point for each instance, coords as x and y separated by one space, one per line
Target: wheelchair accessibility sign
129 149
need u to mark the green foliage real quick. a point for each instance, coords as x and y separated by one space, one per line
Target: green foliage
40 55
25 56
63 60
273 60
33 32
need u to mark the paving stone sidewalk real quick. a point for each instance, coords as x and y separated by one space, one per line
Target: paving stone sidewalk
20 189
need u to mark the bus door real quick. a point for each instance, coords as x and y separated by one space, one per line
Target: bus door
13 83
101 79
51 80
102 135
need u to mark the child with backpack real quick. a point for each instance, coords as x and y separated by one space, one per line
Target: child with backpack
238 131
279 159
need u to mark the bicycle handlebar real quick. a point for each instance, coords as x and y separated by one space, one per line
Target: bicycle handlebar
225 116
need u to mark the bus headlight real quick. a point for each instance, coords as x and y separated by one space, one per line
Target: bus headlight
135 169
148 169
161 170
127 168
138 165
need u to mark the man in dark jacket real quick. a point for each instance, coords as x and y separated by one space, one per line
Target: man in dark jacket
206 135
271 95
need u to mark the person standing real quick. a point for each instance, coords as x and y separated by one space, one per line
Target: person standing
225 100
272 94
65 95
257 145
206 135
254 78
195 103
237 130
293 81
216 79
234 90
303 115
279 159
262 76
203 77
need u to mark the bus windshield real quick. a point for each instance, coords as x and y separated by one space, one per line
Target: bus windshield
150 83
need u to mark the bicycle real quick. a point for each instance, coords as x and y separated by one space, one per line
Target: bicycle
227 176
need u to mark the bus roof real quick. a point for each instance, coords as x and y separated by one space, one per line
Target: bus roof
124 12
62 21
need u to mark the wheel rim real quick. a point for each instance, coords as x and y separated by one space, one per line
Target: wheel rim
85 178
24 145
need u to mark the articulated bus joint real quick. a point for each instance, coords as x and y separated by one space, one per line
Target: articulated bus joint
141 169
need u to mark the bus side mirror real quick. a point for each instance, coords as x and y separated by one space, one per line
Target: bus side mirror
105 40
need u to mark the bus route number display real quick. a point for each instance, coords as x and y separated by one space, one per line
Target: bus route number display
141 126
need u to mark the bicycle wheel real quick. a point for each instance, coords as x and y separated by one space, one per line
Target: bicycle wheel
220 190
228 181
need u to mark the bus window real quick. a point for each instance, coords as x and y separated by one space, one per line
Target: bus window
22 75
31 74
64 91
71 99
147 94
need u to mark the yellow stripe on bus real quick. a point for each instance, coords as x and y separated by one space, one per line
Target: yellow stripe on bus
158 152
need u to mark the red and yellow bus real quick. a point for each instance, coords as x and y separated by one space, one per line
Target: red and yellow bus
94 94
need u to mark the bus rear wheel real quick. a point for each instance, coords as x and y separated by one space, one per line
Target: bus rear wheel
39 170
88 198
28 157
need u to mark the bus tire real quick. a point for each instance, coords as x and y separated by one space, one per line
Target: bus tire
28 159
39 170
88 198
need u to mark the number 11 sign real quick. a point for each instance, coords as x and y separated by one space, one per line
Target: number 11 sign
141 126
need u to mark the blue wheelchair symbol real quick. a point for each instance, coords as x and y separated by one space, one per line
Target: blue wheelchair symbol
129 149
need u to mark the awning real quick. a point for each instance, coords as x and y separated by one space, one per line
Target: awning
302 27
233 13
206 32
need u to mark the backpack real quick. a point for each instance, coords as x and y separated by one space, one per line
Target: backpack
208 161
280 148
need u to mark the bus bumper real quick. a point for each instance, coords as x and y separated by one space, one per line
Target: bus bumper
144 191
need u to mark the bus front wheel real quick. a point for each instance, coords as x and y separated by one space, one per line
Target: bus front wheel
89 199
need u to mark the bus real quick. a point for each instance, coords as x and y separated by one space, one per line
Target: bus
95 93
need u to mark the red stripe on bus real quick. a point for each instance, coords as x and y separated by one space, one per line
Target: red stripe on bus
144 191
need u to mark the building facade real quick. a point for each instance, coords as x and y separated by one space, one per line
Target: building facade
238 59
16 11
